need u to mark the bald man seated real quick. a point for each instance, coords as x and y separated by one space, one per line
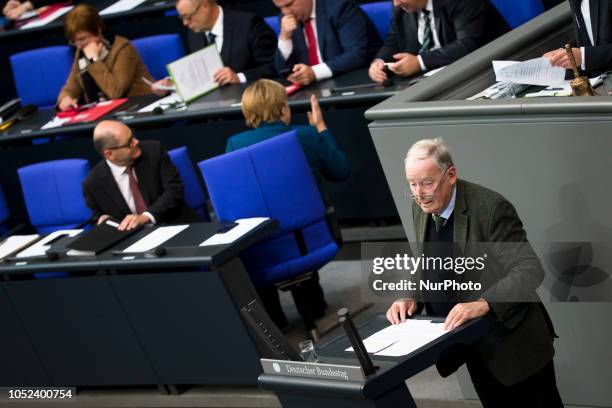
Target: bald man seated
136 183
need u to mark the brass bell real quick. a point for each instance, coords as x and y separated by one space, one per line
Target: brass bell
581 86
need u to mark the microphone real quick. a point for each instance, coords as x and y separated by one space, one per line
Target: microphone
386 83
128 115
359 348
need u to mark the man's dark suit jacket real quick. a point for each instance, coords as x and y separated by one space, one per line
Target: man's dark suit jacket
159 183
249 44
347 38
462 27
598 58
519 343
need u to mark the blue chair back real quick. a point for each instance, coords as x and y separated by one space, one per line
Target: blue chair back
273 179
4 214
380 13
192 183
517 12
158 51
53 194
40 74
274 23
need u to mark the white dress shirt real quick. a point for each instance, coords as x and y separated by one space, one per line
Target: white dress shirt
421 31
217 31
321 70
448 211
586 14
123 182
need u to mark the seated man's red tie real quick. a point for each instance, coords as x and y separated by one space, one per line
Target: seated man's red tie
139 201
313 57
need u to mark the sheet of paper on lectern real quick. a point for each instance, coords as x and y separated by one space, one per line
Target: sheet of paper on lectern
404 338
537 71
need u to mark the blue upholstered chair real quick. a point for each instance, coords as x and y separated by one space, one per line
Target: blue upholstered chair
380 13
40 74
4 214
53 194
274 23
158 51
517 12
273 179
195 197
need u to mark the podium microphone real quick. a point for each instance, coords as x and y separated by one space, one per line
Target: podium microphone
347 324
386 83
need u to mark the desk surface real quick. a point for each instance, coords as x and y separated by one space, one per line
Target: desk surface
182 251
148 7
219 103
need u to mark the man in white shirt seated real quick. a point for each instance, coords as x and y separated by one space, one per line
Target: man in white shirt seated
136 183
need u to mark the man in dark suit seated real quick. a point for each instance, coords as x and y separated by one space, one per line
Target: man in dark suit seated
429 34
512 366
246 43
136 183
593 26
323 38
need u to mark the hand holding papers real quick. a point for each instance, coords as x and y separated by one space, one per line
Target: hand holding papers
404 338
537 71
193 74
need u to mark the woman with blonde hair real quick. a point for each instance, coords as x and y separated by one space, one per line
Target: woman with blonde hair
105 67
266 110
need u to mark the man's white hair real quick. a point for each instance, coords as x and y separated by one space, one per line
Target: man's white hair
426 148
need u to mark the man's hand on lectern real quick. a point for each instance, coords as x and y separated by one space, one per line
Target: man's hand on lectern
399 309
463 312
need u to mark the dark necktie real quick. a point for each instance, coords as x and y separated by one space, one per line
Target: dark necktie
313 57
427 38
210 38
438 221
139 201
582 28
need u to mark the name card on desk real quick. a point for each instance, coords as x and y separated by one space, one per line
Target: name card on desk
312 370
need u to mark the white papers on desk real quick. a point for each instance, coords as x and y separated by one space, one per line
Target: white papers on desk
433 72
537 71
121 5
244 226
41 247
155 239
163 103
47 19
193 75
15 243
55 122
564 89
404 338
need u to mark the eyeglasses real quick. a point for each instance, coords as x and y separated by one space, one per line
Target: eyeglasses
427 186
189 16
129 143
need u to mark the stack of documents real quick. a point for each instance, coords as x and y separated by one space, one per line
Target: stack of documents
41 247
537 71
39 22
404 338
155 239
16 243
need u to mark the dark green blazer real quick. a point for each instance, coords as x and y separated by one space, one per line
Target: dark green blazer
520 341
326 159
